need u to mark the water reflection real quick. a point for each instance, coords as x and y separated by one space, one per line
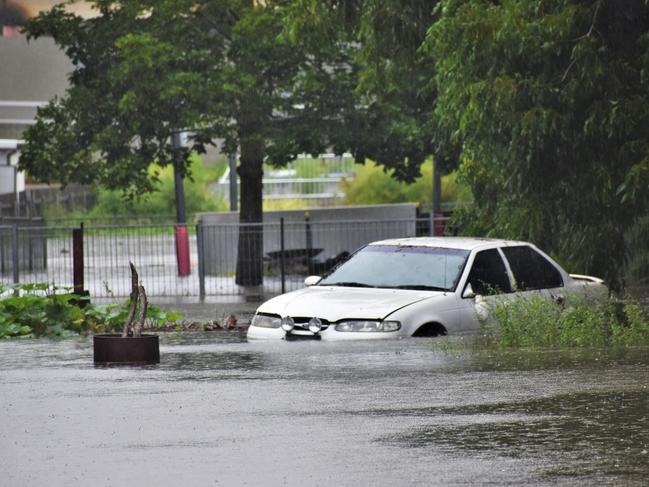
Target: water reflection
229 363
565 359
198 338
479 356
586 434
456 414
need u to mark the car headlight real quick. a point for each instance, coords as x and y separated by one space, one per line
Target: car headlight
265 321
368 326
287 324
315 325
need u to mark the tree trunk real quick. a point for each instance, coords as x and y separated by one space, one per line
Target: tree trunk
251 237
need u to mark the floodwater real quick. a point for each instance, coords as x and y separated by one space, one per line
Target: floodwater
220 411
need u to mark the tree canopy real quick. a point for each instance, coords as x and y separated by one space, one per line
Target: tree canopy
543 103
550 101
392 120
146 69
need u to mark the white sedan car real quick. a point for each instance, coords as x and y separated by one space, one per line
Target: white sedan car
426 286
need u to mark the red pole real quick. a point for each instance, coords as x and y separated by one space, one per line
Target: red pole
77 267
439 224
182 250
77 259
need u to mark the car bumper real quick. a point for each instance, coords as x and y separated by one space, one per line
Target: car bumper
330 334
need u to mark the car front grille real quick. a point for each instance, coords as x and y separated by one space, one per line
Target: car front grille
310 336
302 323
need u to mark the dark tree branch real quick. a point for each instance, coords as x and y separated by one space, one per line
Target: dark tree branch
591 29
144 304
133 304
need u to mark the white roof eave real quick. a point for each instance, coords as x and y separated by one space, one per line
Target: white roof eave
10 144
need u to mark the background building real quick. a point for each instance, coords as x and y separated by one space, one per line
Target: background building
31 73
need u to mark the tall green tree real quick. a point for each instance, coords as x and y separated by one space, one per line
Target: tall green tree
392 122
145 69
550 100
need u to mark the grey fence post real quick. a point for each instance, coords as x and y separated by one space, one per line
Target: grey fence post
234 198
282 261
309 235
3 244
44 244
309 240
14 254
30 245
200 240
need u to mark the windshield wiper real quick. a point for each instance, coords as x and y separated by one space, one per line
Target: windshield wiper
346 284
421 287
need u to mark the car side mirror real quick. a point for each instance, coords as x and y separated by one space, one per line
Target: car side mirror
468 292
312 280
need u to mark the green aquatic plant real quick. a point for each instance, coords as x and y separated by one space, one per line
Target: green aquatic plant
38 309
42 309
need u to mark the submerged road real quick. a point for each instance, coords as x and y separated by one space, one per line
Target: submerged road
220 411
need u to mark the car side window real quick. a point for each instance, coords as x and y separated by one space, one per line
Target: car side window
488 274
531 270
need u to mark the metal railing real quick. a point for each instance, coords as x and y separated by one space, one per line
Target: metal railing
289 252
313 181
35 253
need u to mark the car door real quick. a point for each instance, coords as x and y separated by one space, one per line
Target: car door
533 274
487 281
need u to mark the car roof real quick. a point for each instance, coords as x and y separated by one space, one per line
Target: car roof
463 243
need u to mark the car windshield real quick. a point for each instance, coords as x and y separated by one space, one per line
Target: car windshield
401 267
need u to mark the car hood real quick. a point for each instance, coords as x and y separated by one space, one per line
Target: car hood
337 303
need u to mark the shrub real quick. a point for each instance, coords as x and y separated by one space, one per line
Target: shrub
637 262
162 202
636 329
45 310
38 309
110 318
372 185
578 322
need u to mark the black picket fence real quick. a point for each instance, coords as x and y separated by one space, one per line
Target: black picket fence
215 260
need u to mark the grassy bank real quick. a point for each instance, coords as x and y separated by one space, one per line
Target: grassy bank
577 322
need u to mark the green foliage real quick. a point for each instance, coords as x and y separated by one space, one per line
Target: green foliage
162 201
391 123
636 332
110 318
225 70
130 91
372 184
143 70
44 310
538 322
637 243
288 204
158 206
549 100
38 309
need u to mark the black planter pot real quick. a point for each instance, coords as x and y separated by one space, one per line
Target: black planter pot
111 349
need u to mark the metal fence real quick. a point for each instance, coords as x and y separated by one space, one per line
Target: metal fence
290 252
35 253
314 182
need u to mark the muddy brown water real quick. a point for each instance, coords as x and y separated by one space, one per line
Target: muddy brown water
220 411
